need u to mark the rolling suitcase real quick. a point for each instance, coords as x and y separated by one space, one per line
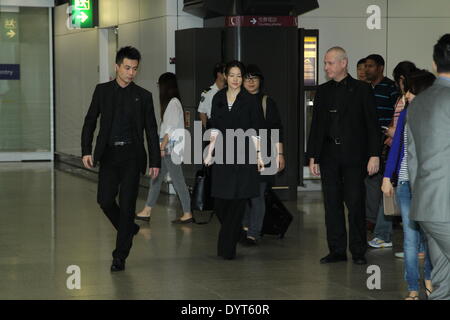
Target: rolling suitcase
277 218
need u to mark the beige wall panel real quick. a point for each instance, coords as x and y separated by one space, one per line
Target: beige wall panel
346 8
128 11
108 13
129 35
76 58
154 56
152 9
413 39
419 8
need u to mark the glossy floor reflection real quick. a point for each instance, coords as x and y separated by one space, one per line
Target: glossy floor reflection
50 220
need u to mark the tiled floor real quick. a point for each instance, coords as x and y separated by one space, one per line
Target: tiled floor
50 220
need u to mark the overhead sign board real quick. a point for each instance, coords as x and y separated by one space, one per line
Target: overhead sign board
83 13
261 21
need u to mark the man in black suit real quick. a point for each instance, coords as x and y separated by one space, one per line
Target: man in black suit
344 142
125 111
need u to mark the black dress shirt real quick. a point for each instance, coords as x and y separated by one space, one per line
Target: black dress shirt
121 130
338 91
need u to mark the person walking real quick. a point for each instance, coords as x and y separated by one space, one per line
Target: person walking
233 181
172 148
126 111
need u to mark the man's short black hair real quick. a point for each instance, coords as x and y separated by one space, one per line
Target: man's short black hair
377 58
361 61
441 54
218 67
129 53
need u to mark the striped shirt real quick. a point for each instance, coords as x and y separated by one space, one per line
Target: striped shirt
386 95
403 173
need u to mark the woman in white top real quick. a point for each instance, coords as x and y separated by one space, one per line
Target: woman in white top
171 146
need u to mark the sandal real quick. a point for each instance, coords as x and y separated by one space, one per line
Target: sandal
412 297
427 291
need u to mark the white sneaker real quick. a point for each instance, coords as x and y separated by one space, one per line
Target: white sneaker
378 243
400 255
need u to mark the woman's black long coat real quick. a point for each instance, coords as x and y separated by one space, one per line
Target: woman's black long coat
235 181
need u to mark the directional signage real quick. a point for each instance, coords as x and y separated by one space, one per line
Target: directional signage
82 13
9 27
261 21
9 72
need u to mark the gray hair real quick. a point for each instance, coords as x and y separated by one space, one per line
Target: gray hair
340 53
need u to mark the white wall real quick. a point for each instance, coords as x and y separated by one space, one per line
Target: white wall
409 29
148 25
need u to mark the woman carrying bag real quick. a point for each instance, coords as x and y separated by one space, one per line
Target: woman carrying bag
233 182
172 147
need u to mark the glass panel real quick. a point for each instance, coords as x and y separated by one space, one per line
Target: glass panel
24 96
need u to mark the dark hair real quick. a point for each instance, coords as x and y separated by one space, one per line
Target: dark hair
129 53
441 54
404 68
233 64
218 67
361 61
418 81
377 58
253 70
168 89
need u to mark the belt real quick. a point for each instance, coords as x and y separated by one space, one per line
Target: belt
335 140
121 143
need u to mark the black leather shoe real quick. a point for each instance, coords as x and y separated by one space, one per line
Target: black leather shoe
332 258
146 219
359 260
117 265
179 221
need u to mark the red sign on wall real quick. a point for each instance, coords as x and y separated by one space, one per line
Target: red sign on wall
261 21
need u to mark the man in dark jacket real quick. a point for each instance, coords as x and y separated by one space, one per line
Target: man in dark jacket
344 142
125 111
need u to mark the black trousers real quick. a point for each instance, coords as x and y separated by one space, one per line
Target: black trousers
230 213
343 183
119 175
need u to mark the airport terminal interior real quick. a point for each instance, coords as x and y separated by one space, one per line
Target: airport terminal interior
55 241
50 220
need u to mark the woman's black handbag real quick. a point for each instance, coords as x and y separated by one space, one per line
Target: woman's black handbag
201 199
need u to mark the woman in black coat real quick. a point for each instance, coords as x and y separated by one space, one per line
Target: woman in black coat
235 176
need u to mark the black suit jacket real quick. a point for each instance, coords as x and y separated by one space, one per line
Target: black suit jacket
235 181
358 125
144 118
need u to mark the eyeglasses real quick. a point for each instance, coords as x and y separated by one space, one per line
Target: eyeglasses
251 79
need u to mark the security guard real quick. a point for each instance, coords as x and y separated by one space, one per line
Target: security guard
344 142
204 107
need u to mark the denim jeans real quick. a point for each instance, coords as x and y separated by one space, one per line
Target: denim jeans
255 212
413 240
383 227
177 177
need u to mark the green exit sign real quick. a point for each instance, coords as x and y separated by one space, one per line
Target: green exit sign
83 13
